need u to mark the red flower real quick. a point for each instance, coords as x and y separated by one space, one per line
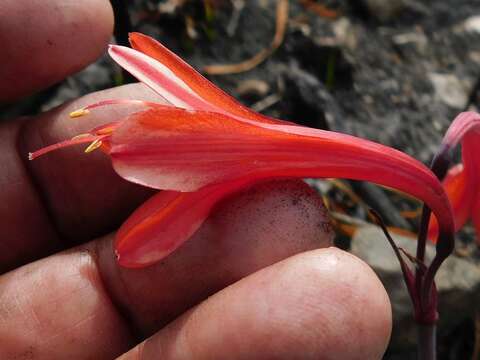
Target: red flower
461 181
206 146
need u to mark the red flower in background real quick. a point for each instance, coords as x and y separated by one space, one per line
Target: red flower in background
461 181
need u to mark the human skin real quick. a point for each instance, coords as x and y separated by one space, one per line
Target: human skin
258 280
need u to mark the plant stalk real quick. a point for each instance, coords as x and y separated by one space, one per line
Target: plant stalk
427 342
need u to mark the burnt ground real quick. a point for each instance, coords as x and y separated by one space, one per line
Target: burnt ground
393 71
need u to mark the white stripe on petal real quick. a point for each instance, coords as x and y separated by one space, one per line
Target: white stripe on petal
158 77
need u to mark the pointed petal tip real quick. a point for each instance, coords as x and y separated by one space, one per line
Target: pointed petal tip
115 49
136 35
124 261
136 258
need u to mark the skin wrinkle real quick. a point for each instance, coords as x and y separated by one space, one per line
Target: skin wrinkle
34 315
120 306
94 274
63 332
15 168
23 159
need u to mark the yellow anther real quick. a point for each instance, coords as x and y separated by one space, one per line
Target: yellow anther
78 113
94 145
105 131
80 136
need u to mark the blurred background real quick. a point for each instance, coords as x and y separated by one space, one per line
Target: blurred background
393 71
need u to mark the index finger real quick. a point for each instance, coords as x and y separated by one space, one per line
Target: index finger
43 41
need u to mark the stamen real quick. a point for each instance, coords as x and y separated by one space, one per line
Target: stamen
105 129
120 102
93 146
79 139
79 113
81 136
86 110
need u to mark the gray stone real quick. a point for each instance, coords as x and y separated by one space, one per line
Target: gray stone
449 89
458 283
472 24
95 76
345 33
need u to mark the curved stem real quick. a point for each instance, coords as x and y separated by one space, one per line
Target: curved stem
446 242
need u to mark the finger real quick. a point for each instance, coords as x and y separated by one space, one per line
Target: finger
253 229
59 306
43 41
323 304
65 197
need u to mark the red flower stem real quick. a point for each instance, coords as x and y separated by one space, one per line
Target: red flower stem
446 242
426 313
421 247
427 342
422 234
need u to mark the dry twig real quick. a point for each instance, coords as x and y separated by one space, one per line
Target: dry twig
319 9
281 25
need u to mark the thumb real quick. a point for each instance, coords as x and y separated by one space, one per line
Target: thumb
322 304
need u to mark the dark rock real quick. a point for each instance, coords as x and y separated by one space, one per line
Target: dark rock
306 99
383 10
376 198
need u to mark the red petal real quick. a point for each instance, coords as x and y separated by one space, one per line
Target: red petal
218 100
176 149
471 160
461 181
476 216
464 123
455 185
165 222
157 76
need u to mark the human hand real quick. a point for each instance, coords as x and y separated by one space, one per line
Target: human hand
225 294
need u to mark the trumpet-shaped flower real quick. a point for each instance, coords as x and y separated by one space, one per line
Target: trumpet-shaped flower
461 181
205 146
